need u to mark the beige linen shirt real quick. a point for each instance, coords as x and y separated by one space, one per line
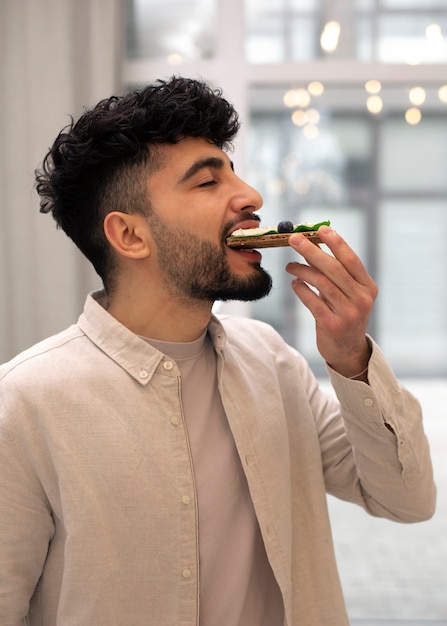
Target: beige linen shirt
98 517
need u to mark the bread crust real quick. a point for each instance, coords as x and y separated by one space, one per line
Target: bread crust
269 241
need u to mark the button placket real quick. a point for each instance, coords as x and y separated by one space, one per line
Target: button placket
186 510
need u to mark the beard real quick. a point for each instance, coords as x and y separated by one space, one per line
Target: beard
199 269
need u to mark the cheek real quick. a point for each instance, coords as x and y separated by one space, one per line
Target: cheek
202 225
193 214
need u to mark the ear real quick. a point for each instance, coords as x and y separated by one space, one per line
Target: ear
126 233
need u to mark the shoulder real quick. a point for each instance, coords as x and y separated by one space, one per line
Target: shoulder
257 349
257 338
34 362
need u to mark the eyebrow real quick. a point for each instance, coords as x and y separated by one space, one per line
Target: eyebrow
210 162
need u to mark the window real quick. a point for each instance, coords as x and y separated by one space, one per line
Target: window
172 29
382 183
392 31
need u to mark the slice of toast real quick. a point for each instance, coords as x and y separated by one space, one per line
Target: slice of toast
274 240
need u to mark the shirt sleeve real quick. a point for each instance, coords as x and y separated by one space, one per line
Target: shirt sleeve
26 527
387 466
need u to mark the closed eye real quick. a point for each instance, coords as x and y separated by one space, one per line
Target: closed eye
208 183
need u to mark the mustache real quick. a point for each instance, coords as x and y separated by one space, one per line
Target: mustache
230 226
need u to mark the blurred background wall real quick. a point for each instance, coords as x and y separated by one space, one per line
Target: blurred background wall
56 56
344 111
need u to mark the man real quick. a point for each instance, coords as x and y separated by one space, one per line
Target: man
163 466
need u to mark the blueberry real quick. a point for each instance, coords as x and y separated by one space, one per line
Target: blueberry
285 227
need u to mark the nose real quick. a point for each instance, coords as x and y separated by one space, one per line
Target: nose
245 197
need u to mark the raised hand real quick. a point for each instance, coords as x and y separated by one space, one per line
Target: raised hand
340 294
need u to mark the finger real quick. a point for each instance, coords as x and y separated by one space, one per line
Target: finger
333 297
343 270
324 283
317 305
349 303
341 252
336 315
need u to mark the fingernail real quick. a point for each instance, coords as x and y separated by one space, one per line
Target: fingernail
297 240
325 230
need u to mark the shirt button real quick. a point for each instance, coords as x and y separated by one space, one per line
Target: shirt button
368 402
168 365
175 420
186 573
186 499
143 374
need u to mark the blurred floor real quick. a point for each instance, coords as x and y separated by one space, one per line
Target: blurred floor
396 574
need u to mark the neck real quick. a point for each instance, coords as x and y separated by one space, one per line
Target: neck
160 315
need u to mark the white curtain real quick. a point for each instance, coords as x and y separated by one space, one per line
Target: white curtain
56 57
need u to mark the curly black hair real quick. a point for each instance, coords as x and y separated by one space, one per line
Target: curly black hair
100 163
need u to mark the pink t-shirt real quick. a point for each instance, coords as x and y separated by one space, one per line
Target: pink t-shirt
237 585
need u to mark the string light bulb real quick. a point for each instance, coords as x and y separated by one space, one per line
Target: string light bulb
373 86
175 59
329 36
299 117
310 131
413 116
442 94
374 104
417 96
315 88
297 97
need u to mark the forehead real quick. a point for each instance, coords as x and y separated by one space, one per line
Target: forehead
179 157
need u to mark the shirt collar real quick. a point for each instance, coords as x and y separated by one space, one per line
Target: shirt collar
128 350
